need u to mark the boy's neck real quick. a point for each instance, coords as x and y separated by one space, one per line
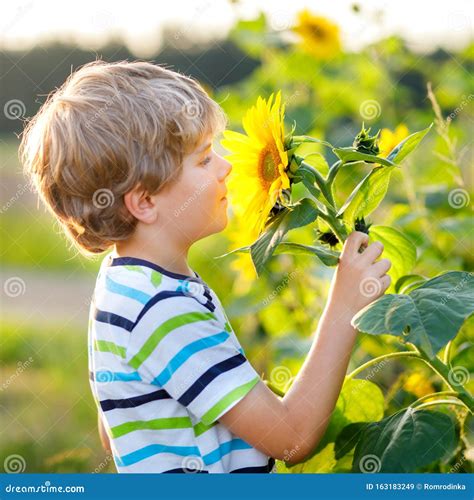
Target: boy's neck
169 256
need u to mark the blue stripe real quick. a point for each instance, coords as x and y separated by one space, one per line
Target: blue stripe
206 378
162 296
154 449
126 291
224 449
108 376
113 319
111 404
186 352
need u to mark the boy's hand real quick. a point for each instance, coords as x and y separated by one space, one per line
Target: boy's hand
359 279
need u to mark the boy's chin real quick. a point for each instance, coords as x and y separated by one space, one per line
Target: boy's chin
216 227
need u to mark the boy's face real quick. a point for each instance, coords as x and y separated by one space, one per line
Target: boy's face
196 204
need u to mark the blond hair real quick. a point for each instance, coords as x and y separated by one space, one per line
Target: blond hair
109 128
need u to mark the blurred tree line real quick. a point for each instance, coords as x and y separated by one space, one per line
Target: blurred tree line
30 75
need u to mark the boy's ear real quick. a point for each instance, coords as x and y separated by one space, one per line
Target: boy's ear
141 205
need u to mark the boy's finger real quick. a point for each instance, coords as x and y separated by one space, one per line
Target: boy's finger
354 241
373 251
381 267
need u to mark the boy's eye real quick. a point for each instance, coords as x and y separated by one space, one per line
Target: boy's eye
206 160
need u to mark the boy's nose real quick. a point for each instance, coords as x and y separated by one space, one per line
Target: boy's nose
226 168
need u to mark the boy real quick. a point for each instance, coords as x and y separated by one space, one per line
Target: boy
122 156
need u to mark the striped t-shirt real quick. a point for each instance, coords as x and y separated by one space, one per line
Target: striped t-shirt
164 365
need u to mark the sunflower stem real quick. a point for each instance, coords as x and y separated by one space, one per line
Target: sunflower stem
443 371
319 179
375 361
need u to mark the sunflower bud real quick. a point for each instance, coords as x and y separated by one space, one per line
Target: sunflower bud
365 143
327 237
361 225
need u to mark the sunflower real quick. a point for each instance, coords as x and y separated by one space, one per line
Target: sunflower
388 139
260 162
320 37
418 384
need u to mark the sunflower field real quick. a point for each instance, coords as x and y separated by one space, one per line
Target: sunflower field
323 141
337 142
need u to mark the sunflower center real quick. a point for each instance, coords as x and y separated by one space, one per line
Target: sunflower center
267 167
317 32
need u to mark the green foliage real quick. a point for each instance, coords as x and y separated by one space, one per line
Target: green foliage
428 317
397 248
404 441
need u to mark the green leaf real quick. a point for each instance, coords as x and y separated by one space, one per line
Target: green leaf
348 438
429 316
398 248
325 255
359 401
307 178
348 155
402 150
404 442
407 283
299 215
367 195
323 462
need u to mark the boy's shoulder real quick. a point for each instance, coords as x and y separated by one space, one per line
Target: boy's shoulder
130 287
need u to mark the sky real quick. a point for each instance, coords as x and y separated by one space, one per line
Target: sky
425 25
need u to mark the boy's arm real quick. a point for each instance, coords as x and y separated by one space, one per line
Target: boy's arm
290 427
104 438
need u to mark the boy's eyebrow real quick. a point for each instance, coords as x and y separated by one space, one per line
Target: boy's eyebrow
203 148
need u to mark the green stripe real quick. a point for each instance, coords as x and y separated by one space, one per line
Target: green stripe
137 269
227 400
156 424
153 340
106 346
201 428
156 278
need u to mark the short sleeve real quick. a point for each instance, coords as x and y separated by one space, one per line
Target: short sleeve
180 346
